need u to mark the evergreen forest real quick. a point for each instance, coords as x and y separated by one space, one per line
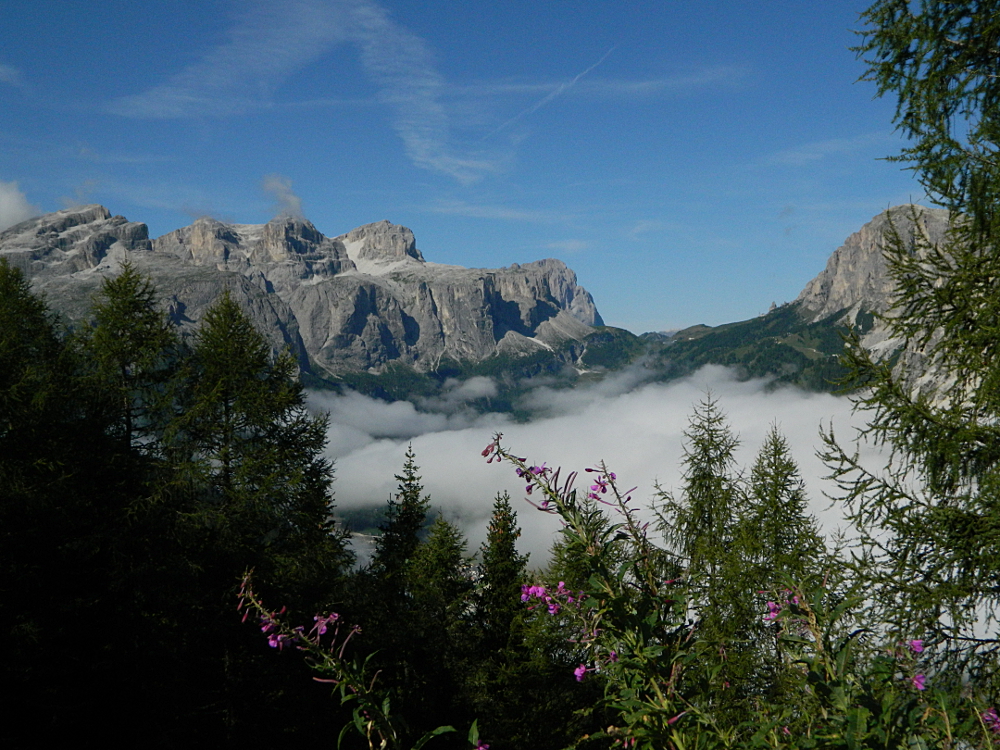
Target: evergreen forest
173 574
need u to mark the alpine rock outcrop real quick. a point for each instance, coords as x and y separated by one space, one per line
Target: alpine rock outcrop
355 302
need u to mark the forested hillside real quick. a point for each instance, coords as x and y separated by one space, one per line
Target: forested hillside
172 574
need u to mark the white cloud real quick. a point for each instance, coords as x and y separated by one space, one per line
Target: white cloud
594 86
809 153
400 63
273 40
558 91
505 213
267 44
14 206
287 202
568 246
636 428
710 76
11 75
645 226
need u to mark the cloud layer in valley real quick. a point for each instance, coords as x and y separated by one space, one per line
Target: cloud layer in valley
636 428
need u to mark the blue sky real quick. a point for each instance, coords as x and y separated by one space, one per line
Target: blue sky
691 161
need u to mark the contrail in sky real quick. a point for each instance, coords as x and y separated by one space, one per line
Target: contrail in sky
558 91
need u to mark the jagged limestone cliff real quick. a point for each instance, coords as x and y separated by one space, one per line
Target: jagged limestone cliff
355 302
856 281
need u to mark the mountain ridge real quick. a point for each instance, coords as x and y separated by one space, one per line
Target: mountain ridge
366 310
357 302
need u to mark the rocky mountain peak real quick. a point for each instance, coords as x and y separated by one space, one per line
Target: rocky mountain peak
356 302
206 241
286 236
381 241
856 276
72 240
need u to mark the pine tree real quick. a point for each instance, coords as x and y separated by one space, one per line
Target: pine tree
258 450
438 630
783 542
699 525
704 527
78 542
929 547
133 348
406 515
438 573
501 575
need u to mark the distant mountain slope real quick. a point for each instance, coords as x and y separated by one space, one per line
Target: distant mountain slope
799 343
366 311
357 303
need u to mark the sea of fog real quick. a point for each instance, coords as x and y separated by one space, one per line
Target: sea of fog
636 428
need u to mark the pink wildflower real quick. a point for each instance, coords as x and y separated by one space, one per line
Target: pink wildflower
991 719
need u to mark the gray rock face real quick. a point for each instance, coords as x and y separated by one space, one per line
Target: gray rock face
856 280
855 276
356 302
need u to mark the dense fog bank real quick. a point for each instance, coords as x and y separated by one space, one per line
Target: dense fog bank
636 428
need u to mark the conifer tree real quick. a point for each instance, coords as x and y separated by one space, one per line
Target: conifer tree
439 572
704 527
406 515
929 540
246 440
133 348
700 524
501 575
781 539
438 631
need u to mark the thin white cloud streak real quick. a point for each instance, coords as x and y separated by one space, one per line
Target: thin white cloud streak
10 74
14 206
274 40
809 153
608 87
400 63
267 44
558 91
505 213
707 77
568 246
645 226
637 429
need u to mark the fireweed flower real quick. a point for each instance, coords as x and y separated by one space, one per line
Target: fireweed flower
918 681
916 646
580 672
992 719
773 610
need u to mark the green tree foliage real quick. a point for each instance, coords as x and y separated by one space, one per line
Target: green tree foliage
133 350
406 515
736 537
138 481
439 633
395 621
245 439
929 548
939 61
782 541
501 575
701 524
